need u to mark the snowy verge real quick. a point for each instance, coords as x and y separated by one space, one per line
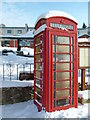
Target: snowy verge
84 94
16 83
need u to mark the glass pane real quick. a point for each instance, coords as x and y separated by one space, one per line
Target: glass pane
72 75
71 49
65 84
53 66
53 39
53 48
38 82
62 48
62 75
54 94
71 40
38 66
62 93
38 57
62 57
72 87
63 66
71 58
71 66
62 40
53 103
53 57
38 90
38 74
38 49
53 75
38 99
38 41
72 100
63 102
53 85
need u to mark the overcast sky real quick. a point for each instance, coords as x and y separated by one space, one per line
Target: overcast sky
20 13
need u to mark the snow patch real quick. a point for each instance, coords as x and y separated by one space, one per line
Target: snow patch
16 83
83 40
84 94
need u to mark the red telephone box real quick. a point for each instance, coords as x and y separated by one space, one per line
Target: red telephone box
55 61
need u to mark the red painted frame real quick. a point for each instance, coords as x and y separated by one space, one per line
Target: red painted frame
47 64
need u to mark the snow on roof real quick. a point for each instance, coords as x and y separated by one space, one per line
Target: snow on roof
28 34
54 13
40 29
83 40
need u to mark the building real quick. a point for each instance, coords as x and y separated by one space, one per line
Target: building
9 32
84 32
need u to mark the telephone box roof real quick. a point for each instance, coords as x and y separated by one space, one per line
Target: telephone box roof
54 13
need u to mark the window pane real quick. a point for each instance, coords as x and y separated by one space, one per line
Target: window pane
53 75
38 82
38 90
38 99
71 40
63 102
71 58
38 41
62 75
9 31
53 39
62 66
71 66
62 48
62 57
53 66
62 93
38 57
38 66
62 40
71 49
38 49
19 31
38 74
53 57
53 94
63 84
53 48
72 75
53 103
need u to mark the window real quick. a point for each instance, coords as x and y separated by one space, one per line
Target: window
19 31
9 31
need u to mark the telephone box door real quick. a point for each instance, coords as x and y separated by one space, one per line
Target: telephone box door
63 69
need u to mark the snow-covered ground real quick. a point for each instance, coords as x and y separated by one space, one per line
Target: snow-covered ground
29 110
13 59
16 83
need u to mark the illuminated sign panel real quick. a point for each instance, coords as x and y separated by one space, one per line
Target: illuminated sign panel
62 26
84 57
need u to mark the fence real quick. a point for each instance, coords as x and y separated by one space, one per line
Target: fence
12 71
